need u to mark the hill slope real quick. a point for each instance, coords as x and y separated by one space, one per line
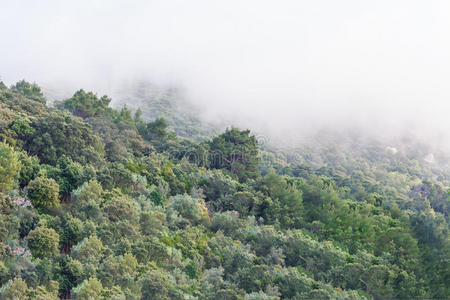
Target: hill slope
98 203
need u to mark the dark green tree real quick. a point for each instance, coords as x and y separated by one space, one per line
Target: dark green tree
86 104
43 242
157 285
236 151
9 167
57 134
43 194
68 272
157 133
29 90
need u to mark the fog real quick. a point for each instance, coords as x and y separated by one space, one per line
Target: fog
287 68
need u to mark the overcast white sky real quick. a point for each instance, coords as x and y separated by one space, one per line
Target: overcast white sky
288 65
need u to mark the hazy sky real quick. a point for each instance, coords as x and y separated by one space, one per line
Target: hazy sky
288 65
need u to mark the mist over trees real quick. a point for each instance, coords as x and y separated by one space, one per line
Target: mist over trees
99 202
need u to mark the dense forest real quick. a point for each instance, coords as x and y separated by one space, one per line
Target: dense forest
111 203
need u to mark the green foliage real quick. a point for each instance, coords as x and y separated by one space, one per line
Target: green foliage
22 126
43 242
121 139
120 209
149 102
9 167
43 194
57 134
294 284
158 285
288 206
156 132
71 232
152 222
191 210
45 292
90 289
89 249
87 199
29 170
69 174
68 273
237 152
145 214
29 90
15 289
86 105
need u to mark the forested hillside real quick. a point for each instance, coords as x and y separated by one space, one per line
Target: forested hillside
102 203
156 102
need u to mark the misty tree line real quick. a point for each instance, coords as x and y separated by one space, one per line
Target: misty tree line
98 203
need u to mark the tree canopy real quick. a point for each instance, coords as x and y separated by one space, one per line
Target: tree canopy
105 203
236 151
